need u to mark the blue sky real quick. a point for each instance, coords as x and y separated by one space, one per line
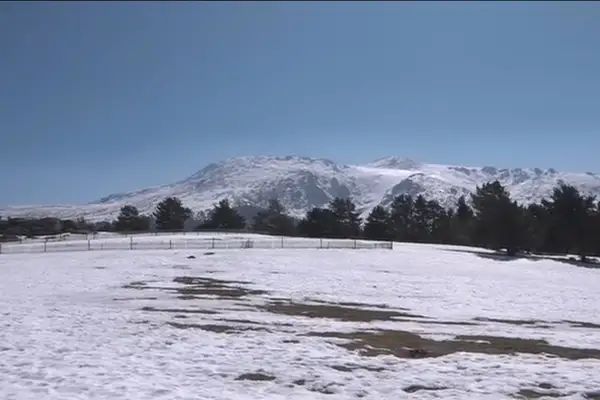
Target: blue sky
102 98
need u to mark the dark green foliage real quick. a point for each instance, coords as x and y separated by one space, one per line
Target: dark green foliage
170 215
347 220
339 220
499 222
538 238
461 223
378 225
319 222
130 220
222 216
571 220
274 220
401 217
419 220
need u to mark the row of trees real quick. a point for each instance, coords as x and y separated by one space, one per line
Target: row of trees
567 222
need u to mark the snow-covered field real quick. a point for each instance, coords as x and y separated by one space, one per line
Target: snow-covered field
420 321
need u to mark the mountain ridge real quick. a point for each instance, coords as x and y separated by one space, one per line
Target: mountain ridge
301 183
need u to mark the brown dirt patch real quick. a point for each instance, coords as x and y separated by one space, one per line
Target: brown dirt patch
179 310
334 312
255 376
416 388
217 328
534 394
409 345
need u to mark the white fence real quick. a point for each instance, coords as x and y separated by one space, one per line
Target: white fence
203 243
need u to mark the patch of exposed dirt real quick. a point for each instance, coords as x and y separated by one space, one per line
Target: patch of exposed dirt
353 367
535 394
179 310
215 287
217 328
334 312
436 322
255 376
404 344
134 298
240 321
582 324
202 287
511 321
352 304
416 388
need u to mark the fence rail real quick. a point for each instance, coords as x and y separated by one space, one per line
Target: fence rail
165 243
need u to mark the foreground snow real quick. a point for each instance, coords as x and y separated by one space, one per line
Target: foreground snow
127 325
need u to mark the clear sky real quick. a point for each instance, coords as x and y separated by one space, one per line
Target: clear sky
97 98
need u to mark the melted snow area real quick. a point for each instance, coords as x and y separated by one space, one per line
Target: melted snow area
419 321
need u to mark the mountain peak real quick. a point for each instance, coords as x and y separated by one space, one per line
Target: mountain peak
395 163
301 183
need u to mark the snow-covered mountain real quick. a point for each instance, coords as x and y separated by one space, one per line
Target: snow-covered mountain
301 183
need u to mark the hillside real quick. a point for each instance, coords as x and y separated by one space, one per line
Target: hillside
301 183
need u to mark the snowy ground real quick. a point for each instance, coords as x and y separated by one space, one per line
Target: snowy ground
184 240
420 321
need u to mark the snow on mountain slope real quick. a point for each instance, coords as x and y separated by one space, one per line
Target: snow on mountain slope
301 183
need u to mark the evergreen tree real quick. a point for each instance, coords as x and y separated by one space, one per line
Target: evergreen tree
130 220
319 222
499 222
347 220
439 223
401 216
171 215
538 238
571 220
378 224
222 216
461 223
274 220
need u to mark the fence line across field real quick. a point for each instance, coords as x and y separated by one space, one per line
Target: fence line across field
131 243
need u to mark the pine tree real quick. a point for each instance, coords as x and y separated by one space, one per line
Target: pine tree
318 222
130 220
347 220
499 222
222 216
538 238
570 218
462 223
378 224
171 215
401 216
274 220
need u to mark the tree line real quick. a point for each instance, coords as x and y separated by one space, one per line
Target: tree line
567 222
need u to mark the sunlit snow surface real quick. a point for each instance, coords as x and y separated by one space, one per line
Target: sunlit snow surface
85 325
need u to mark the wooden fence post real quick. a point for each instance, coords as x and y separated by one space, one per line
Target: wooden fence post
89 247
131 243
355 243
170 244
213 243
320 243
44 246
282 242
0 248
